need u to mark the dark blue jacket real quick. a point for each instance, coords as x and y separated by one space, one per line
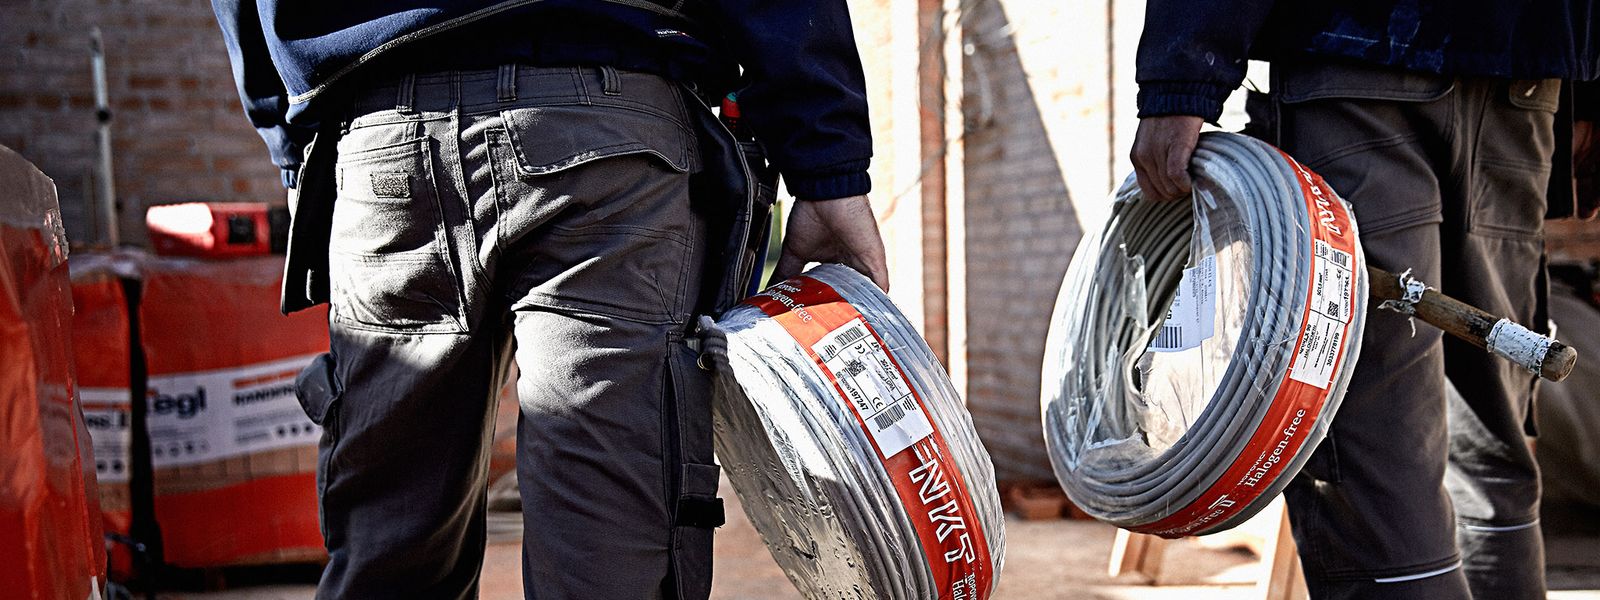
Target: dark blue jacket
803 91
1193 52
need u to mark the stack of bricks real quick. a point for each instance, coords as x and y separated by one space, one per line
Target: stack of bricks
1573 241
179 132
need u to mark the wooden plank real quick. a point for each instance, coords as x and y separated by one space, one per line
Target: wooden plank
1137 553
1282 578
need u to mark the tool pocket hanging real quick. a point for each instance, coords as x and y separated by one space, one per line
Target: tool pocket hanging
735 190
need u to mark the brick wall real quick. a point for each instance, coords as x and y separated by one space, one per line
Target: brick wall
178 130
1020 229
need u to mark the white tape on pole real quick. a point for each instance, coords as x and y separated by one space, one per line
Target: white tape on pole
1519 345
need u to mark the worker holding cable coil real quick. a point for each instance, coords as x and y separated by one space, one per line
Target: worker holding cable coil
1450 129
539 179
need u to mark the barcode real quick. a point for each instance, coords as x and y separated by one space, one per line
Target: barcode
889 416
854 368
1171 336
1339 257
851 335
828 350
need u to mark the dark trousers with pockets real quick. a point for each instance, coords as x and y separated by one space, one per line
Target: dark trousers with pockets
1448 177
540 213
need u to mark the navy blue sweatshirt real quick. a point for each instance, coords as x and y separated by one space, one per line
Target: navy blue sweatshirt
802 91
1192 52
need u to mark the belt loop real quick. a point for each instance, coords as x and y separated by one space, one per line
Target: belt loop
406 99
455 90
610 82
506 85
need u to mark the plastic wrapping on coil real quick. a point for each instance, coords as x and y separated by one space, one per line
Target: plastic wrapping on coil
851 450
1199 349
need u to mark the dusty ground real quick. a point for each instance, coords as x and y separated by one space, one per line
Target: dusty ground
1046 560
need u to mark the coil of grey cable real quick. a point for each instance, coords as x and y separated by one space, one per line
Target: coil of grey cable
850 450
1199 349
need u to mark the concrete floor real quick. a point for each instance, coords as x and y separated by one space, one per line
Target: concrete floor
1046 560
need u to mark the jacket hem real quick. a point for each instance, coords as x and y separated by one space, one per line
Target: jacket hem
828 187
1200 99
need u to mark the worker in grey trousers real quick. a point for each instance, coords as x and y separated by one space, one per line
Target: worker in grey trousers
482 180
1438 123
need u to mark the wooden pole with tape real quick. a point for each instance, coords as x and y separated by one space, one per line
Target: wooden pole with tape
1537 353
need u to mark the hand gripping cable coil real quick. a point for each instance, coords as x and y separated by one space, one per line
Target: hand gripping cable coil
1190 442
853 454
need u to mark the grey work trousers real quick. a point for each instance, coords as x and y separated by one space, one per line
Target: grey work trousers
1448 179
536 212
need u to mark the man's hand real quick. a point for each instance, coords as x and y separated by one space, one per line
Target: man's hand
1161 152
842 230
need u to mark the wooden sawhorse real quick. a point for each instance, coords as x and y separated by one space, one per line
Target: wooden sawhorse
1283 579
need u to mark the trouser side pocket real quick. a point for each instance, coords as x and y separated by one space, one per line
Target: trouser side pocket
318 391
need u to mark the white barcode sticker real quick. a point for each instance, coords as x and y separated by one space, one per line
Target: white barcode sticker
1194 309
1320 343
873 387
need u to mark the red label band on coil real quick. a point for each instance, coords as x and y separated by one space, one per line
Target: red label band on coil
852 355
1319 349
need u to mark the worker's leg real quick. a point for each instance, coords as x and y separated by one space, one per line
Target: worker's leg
1369 510
602 263
1492 259
405 395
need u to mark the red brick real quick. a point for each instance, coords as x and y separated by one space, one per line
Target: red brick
198 104
189 165
146 82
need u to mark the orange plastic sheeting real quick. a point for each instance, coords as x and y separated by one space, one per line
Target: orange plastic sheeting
100 344
50 537
268 520
202 315
234 454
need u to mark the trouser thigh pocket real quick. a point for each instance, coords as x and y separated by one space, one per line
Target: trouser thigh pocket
318 390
